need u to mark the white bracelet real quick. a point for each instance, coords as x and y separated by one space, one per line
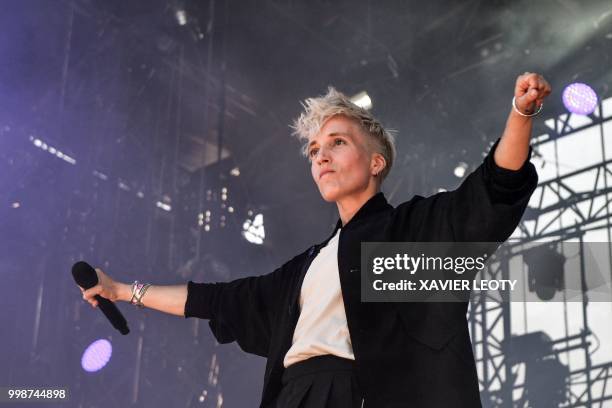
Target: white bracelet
523 114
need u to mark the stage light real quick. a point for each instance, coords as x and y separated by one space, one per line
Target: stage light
253 230
547 383
163 206
546 378
66 158
204 220
202 396
16 204
362 99
96 355
527 347
230 209
460 170
52 150
545 270
579 98
181 17
99 175
235 172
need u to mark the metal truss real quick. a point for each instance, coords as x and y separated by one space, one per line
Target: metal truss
568 200
489 317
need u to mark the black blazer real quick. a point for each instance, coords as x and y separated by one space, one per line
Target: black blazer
407 354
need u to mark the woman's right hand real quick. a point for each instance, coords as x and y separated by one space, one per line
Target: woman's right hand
106 287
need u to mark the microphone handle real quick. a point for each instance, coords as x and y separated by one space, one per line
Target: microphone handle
113 314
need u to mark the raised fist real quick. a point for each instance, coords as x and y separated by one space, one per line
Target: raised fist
530 91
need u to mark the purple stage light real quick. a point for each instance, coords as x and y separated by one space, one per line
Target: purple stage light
580 99
96 355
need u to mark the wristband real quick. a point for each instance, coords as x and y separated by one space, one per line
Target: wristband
138 292
524 114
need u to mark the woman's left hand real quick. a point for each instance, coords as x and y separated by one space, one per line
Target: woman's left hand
530 91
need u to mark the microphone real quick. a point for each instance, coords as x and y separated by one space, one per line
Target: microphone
85 276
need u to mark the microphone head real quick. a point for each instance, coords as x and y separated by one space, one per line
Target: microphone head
84 275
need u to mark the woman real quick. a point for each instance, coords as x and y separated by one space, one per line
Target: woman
324 347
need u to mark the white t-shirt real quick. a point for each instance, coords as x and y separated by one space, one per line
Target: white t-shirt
321 328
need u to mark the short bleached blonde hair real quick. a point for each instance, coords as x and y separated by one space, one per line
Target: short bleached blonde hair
318 110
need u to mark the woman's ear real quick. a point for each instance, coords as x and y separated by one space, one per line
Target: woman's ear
378 164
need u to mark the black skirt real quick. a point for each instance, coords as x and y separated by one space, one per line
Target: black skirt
320 382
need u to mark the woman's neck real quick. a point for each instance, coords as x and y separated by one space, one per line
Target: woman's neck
348 206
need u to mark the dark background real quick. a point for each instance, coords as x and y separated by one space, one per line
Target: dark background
130 93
